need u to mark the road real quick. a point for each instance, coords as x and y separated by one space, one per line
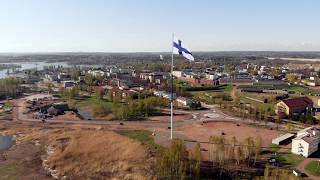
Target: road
213 113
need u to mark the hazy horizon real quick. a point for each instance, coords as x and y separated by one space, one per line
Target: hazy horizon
122 26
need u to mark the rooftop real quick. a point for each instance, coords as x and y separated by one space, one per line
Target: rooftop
298 102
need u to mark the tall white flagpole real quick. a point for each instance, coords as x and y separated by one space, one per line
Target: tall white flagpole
171 102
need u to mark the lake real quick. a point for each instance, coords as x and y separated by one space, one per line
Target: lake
30 65
6 142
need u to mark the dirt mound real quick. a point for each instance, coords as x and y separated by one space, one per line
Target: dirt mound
83 154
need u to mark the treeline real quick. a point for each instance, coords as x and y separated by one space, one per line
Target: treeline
177 163
9 87
137 108
129 108
203 88
67 93
225 152
276 173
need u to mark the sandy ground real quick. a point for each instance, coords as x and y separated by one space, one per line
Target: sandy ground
203 132
81 152
166 117
68 115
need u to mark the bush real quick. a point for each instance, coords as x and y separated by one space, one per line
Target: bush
101 110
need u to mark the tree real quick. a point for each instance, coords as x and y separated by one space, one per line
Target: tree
173 163
292 77
197 157
98 93
257 149
278 121
75 73
101 110
232 150
9 87
110 95
49 87
266 172
89 79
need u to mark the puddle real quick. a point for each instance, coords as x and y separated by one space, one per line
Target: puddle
6 142
85 115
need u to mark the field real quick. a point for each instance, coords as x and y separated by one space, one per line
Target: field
203 132
294 88
221 88
78 153
94 100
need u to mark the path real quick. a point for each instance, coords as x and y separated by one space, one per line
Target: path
304 163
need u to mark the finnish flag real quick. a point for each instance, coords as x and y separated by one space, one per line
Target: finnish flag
179 48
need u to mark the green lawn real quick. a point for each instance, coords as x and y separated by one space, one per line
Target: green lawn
289 159
259 105
94 101
313 168
8 172
296 88
143 136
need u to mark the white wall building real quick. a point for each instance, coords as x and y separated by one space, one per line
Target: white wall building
96 72
306 142
177 73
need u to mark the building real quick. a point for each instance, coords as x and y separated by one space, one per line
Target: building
155 77
96 73
187 102
184 102
68 84
282 139
163 94
299 105
306 142
178 74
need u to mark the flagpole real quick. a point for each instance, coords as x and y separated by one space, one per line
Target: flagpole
171 102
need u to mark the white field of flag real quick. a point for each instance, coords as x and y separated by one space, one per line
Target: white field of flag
181 49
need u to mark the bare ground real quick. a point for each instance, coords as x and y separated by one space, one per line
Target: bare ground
79 153
203 132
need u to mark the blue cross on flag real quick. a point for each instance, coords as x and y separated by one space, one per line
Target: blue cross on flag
179 48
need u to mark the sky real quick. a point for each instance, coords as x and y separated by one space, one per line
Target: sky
148 25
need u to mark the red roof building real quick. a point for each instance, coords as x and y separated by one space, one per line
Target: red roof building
294 106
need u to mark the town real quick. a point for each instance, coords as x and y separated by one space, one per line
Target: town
266 109
159 90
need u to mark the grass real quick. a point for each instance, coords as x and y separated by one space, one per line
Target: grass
313 168
259 105
226 88
289 159
94 100
87 154
275 147
143 136
296 88
8 172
